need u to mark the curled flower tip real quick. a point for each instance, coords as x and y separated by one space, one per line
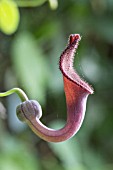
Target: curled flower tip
74 37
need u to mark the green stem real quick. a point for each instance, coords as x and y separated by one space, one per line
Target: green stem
18 91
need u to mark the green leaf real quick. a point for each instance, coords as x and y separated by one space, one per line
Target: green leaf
9 16
30 66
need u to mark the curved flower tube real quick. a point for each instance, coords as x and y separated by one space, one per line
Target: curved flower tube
76 92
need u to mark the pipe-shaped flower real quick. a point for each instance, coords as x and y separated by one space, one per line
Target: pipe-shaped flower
76 91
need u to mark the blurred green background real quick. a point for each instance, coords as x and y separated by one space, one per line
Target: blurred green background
29 60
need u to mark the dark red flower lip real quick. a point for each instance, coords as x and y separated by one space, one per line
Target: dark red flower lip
66 63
